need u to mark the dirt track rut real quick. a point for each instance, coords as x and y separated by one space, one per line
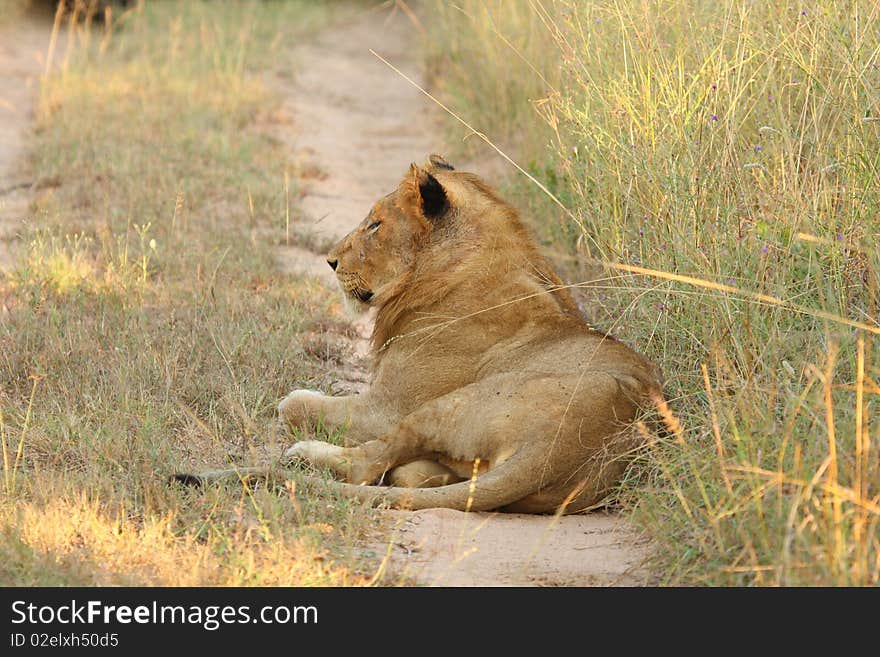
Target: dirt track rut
23 47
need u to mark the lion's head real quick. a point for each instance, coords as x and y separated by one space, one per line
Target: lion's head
374 261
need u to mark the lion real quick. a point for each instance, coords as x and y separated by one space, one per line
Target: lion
489 389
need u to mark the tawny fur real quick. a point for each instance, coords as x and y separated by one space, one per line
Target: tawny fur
487 382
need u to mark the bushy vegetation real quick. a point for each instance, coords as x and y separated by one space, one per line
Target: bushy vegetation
720 162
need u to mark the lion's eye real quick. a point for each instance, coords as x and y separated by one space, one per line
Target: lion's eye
373 226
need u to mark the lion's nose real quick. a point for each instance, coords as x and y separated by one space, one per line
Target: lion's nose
333 264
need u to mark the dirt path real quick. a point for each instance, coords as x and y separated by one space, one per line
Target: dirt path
357 126
23 46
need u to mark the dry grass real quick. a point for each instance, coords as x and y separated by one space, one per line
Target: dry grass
146 327
722 162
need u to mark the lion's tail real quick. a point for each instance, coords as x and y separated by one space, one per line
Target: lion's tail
227 474
509 482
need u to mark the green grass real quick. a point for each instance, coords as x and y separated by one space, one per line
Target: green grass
146 327
735 144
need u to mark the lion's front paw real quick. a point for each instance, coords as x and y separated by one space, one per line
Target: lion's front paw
300 407
311 451
319 454
346 463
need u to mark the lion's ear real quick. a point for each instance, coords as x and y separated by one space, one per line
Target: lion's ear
439 162
433 201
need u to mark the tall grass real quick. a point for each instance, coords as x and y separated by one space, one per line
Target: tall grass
146 327
723 162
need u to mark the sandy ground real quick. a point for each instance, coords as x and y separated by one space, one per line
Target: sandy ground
356 127
23 46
